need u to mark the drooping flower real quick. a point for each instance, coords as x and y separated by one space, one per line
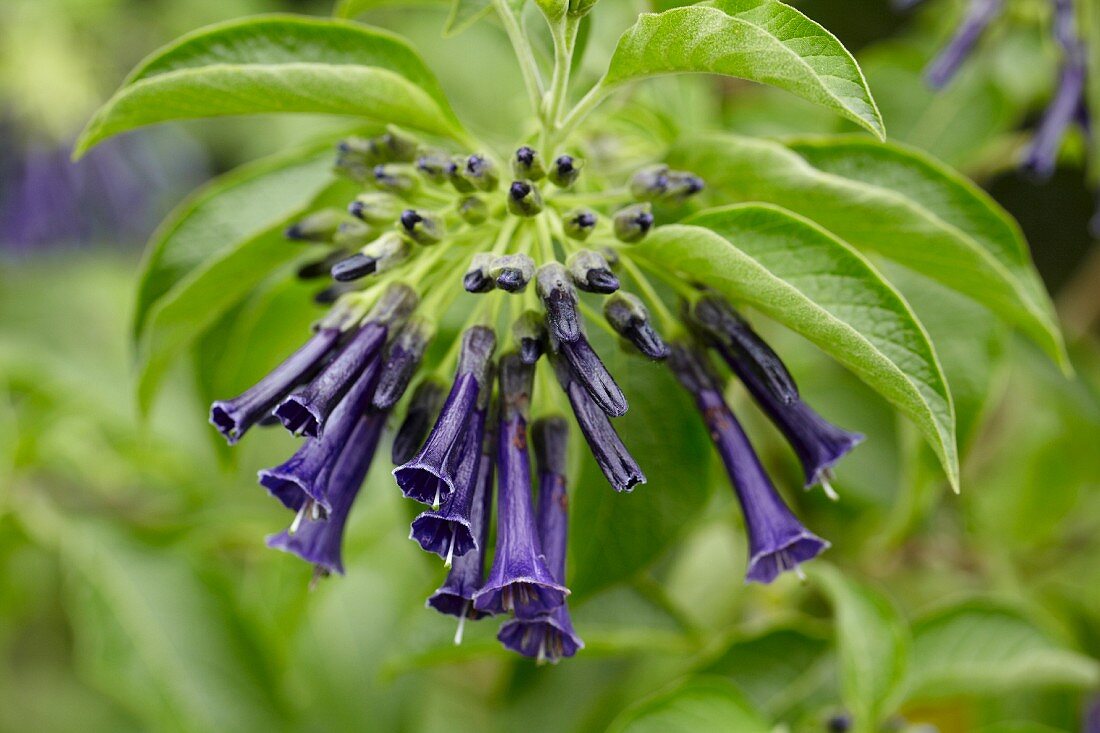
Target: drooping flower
519 580
979 15
777 540
319 539
818 443
430 475
549 636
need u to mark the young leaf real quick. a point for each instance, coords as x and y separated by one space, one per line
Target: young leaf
278 64
698 704
759 40
873 643
896 203
985 648
801 276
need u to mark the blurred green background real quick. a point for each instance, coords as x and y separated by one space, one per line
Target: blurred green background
135 590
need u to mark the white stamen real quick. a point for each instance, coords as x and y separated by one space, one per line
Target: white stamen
541 659
435 501
450 549
298 519
829 490
461 624
800 573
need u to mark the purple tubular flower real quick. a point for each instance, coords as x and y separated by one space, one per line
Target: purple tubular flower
620 468
319 540
549 636
307 409
777 540
519 580
430 475
447 531
401 362
234 417
456 596
305 475
423 409
304 412
818 443
1041 156
593 375
944 67
560 300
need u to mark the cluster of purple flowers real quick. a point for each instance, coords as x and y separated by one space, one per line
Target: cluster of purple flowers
456 447
1067 107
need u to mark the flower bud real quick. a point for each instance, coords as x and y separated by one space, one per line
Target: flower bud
560 301
400 363
353 159
352 234
388 251
524 198
426 400
529 331
375 208
633 223
332 293
683 185
630 319
477 279
352 268
473 210
481 173
319 226
581 7
393 146
565 171
395 306
394 178
320 268
528 164
423 228
455 175
591 272
512 272
579 223
435 165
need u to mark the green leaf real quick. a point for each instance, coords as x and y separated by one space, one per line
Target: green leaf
612 535
465 13
893 202
355 8
220 247
698 704
984 648
801 276
273 64
873 644
759 40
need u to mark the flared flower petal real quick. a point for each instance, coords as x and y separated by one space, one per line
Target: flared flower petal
519 580
319 540
777 540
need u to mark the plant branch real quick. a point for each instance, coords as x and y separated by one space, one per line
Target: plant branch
582 109
527 65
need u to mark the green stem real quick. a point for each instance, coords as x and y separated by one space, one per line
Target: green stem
669 323
527 66
565 38
582 109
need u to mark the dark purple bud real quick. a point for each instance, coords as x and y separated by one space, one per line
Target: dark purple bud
481 173
529 331
455 597
839 723
305 475
395 179
388 251
448 531
333 293
353 268
579 223
528 164
455 175
620 468
650 183
591 272
477 278
423 409
524 198
944 67
590 372
400 363
319 539
632 223
725 326
818 443
565 171
320 268
377 208
548 637
628 316
317 227
234 417
423 227
511 273
434 165
683 185
304 412
393 146
519 580
560 301
777 540
430 475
